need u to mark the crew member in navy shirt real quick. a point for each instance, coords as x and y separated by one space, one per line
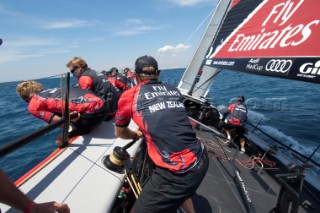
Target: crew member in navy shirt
237 116
181 161
89 79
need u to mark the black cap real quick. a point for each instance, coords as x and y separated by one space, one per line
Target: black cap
145 61
104 72
240 99
113 69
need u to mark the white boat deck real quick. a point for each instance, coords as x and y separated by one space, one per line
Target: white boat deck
77 175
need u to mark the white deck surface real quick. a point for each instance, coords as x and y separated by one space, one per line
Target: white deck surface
78 177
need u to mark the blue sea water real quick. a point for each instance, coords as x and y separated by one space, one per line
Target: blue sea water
287 110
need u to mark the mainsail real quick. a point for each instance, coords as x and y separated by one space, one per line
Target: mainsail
270 37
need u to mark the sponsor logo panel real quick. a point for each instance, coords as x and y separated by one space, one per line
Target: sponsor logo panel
309 69
208 62
254 65
305 69
223 62
279 65
259 34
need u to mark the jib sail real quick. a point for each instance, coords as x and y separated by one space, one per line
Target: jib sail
197 78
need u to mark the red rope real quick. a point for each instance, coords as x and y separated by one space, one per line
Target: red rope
242 163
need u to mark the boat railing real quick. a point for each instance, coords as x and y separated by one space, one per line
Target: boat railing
291 186
300 156
16 144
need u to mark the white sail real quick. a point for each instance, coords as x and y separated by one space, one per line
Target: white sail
204 83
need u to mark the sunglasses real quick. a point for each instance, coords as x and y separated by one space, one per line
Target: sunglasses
73 69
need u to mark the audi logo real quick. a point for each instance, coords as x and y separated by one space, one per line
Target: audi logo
277 65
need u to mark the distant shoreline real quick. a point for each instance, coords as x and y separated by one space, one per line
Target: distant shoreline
180 68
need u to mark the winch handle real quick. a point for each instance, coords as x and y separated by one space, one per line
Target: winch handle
129 144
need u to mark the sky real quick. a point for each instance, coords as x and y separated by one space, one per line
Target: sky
40 37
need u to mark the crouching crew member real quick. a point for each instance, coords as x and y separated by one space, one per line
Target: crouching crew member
89 79
48 105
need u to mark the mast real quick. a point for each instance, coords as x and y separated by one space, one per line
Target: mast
197 68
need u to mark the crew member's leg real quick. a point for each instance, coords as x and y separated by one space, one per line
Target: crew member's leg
240 132
187 206
84 125
230 132
166 191
242 144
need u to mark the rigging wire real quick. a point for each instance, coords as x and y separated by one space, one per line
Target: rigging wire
192 34
209 79
199 26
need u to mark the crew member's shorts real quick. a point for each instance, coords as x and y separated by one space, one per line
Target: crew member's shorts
240 130
166 191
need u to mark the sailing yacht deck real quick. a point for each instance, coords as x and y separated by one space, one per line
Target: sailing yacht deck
219 193
76 175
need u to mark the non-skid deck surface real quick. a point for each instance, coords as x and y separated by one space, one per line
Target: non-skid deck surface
218 191
77 176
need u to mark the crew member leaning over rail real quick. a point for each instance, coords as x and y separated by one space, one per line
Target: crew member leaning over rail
181 161
48 105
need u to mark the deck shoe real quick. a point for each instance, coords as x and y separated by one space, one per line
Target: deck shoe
242 151
226 142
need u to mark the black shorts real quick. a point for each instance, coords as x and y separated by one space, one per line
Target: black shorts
166 191
240 130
